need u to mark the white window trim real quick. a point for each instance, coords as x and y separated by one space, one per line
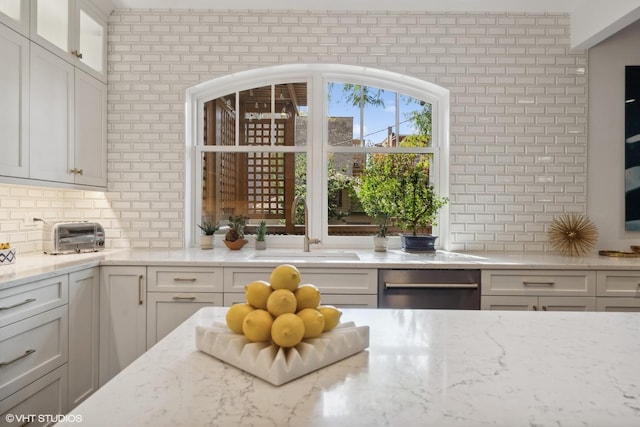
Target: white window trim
317 76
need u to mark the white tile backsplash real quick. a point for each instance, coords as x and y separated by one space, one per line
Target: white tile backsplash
518 103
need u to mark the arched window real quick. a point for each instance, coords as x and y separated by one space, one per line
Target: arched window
258 139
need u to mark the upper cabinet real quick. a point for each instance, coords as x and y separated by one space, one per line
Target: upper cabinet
75 30
14 103
53 108
15 15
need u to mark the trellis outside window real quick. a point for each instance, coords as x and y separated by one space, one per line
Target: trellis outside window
259 138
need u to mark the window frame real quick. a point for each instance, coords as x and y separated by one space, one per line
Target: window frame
317 77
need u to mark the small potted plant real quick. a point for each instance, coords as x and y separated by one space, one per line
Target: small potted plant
396 187
234 237
261 233
208 228
416 207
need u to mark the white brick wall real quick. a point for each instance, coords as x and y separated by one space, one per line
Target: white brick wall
518 103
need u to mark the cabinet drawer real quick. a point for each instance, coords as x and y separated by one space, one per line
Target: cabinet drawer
31 348
541 283
166 311
618 304
184 279
44 397
20 302
334 281
619 283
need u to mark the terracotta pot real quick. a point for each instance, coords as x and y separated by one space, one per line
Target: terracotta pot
237 245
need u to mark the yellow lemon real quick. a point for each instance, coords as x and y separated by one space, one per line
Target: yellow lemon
287 330
313 322
281 301
256 325
307 296
285 276
235 316
331 316
256 294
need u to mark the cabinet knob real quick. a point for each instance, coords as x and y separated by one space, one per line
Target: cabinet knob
76 54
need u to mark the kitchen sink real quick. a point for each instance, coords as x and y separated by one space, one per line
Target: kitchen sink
285 256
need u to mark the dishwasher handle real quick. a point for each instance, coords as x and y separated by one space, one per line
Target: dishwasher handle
388 285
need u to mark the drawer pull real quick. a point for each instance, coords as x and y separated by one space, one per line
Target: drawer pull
184 279
27 301
184 298
538 283
431 285
26 353
140 302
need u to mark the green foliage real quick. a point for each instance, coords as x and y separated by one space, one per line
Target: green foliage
362 95
397 186
261 231
338 182
236 228
207 226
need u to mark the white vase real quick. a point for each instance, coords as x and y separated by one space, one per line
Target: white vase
261 245
206 241
380 243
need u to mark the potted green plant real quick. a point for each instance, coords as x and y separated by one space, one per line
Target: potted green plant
208 228
396 187
234 237
261 233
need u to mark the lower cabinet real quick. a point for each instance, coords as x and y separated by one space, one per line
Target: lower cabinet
342 287
524 303
541 290
618 290
123 318
38 403
167 310
84 334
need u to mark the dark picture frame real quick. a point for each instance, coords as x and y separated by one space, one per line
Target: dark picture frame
632 148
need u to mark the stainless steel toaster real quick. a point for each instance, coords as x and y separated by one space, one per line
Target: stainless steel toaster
69 237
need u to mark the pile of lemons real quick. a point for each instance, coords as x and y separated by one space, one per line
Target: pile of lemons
282 310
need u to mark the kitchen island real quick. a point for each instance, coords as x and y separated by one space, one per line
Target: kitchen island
422 367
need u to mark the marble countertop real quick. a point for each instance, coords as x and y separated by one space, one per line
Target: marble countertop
426 367
34 266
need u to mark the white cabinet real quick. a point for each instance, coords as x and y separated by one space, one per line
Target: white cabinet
75 30
561 290
175 293
14 104
84 330
167 310
352 287
31 348
34 348
618 290
45 396
123 321
68 131
525 303
15 15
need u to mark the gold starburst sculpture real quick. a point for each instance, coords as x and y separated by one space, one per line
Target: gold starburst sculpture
573 234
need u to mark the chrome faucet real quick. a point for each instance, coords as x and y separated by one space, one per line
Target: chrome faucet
297 200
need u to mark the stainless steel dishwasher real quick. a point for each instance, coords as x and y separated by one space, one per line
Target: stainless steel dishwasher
432 289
